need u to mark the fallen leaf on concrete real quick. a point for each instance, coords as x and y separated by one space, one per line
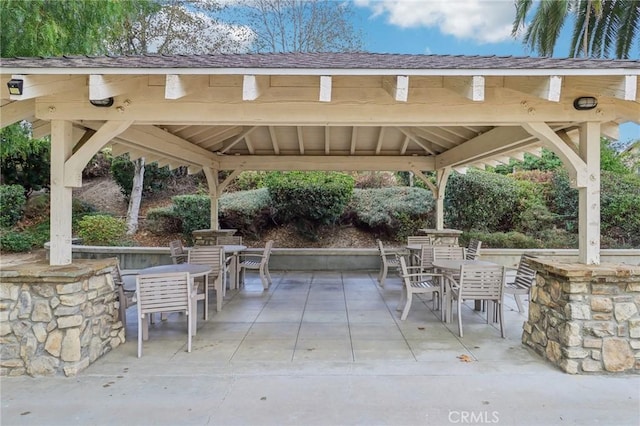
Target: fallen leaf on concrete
464 358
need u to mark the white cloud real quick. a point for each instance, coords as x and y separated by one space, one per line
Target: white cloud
485 21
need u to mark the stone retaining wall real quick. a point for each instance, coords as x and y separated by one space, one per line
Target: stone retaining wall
57 320
586 318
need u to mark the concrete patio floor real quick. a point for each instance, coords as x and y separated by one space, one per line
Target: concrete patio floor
323 348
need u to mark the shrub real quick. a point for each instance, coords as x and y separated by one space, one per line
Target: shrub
155 178
163 220
99 165
247 211
501 239
480 200
620 208
563 201
309 199
23 160
102 230
14 241
395 212
194 211
12 202
367 180
247 181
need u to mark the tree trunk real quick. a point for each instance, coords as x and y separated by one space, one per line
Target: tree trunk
136 197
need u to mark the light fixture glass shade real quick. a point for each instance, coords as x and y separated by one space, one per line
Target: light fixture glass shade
107 102
585 103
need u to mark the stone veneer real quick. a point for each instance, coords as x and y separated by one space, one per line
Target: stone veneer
57 320
586 318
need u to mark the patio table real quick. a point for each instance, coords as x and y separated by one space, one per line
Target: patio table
233 250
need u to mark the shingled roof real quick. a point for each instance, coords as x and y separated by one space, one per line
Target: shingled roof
372 61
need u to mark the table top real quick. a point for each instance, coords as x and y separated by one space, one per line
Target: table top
193 269
454 265
232 248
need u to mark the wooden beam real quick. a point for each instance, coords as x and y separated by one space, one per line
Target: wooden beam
108 86
274 139
627 110
34 86
212 182
327 163
238 139
548 88
471 88
254 86
577 167
227 181
398 87
493 142
16 111
327 140
76 163
380 140
61 195
506 112
354 139
325 88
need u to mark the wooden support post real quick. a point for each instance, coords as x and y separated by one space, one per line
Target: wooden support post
442 175
61 195
212 182
589 195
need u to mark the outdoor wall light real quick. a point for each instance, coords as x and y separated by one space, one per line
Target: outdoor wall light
104 103
15 86
585 103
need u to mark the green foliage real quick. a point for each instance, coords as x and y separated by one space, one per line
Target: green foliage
194 211
102 230
547 161
248 180
532 215
504 239
366 180
610 159
248 211
69 27
12 202
155 178
620 208
23 160
395 212
480 200
563 201
14 241
309 199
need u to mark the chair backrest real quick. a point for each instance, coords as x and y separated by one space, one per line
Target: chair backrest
419 239
404 271
426 256
212 256
267 252
525 276
168 292
178 254
482 282
229 240
473 249
448 253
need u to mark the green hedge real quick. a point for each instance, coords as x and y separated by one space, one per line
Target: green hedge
395 212
309 199
247 211
102 230
194 211
481 200
12 202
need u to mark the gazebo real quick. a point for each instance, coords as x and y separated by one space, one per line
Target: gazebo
321 111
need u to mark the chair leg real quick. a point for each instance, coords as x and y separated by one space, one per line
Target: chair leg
407 306
190 328
460 317
263 278
383 274
219 295
403 297
268 274
500 308
518 302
